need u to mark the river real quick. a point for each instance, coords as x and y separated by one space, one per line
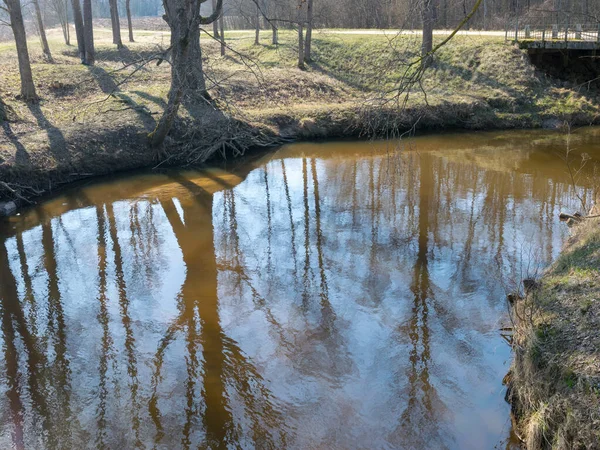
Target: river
345 295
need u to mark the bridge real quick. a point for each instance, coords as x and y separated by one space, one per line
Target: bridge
554 31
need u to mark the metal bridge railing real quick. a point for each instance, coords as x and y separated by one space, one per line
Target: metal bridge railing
556 29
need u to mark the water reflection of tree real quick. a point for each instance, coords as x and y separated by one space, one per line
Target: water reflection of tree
292 223
433 205
232 262
15 328
8 290
60 371
130 345
102 434
224 364
420 424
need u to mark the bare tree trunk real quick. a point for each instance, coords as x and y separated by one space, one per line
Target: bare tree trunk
445 14
78 20
187 77
178 76
427 17
195 85
301 46
61 7
485 14
257 24
309 27
18 27
275 30
129 23
216 23
66 28
222 35
116 23
90 54
186 84
42 31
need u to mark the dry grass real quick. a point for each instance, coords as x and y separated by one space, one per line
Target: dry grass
555 386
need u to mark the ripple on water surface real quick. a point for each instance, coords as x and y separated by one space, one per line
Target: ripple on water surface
340 295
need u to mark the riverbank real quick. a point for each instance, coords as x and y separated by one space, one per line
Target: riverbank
94 121
554 382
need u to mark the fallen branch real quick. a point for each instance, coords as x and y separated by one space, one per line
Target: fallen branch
15 193
577 217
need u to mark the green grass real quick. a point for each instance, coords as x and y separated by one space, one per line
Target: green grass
347 69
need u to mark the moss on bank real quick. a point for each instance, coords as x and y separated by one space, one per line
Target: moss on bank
554 384
93 121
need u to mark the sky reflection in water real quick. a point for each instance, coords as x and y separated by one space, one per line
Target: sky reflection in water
332 296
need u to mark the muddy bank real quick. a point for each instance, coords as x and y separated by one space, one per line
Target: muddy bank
82 152
554 381
93 121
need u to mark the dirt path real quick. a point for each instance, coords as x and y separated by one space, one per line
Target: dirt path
393 32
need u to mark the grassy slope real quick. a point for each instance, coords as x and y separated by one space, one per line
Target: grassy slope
87 124
556 372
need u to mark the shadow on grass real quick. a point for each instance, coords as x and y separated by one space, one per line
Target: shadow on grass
118 55
21 154
108 85
58 145
158 101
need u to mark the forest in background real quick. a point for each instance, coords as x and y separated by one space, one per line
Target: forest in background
389 14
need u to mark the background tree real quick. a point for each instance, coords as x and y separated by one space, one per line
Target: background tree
309 28
42 31
15 13
301 19
222 32
428 21
90 54
61 9
274 29
116 23
129 22
216 23
257 24
79 31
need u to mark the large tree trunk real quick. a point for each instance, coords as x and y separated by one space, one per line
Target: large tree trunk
179 76
187 77
275 34
195 84
309 27
42 30
78 20
18 27
427 17
129 23
90 54
116 23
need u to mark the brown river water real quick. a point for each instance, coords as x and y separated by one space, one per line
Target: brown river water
322 296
